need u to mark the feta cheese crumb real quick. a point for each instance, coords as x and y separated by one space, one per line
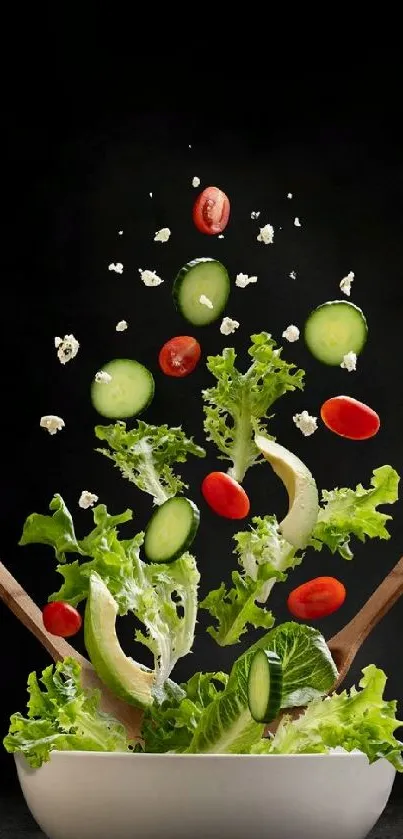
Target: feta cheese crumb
102 377
307 424
255 214
150 278
291 334
121 326
293 275
196 181
349 362
52 423
120 232
242 280
87 499
345 284
190 146
150 194
67 348
205 301
289 195
297 222
266 234
116 266
228 326
162 235
220 236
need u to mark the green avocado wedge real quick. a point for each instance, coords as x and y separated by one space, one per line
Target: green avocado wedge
123 676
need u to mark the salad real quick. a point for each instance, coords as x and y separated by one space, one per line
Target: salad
153 576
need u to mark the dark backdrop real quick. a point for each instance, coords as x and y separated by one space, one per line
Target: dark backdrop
85 171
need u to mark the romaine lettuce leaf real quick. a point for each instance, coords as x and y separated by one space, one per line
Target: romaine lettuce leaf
236 406
63 716
145 455
162 597
348 512
353 720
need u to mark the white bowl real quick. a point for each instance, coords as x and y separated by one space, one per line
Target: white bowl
93 795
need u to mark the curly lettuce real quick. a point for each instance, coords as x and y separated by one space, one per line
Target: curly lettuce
145 455
238 404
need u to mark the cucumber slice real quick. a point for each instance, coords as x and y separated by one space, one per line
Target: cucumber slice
171 530
265 683
201 276
335 329
129 392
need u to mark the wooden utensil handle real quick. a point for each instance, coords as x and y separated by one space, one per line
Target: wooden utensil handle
20 603
380 602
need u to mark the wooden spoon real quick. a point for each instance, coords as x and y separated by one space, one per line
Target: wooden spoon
20 603
345 644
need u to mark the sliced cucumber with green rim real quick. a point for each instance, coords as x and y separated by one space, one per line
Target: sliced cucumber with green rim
127 394
171 530
335 329
265 684
201 277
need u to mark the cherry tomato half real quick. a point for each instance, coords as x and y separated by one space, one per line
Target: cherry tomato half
349 418
225 496
211 211
179 356
316 598
61 619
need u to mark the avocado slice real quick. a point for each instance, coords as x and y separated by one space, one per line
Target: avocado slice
303 498
123 676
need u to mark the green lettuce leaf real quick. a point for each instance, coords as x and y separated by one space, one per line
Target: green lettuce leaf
236 406
62 716
348 512
170 725
226 725
162 597
352 720
145 455
57 531
265 557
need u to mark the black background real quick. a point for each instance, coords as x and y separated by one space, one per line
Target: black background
85 148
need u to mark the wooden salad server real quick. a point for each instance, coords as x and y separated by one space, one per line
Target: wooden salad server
20 603
345 644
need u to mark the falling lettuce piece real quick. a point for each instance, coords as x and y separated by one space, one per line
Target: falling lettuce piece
145 455
62 716
56 530
347 512
353 720
265 557
236 406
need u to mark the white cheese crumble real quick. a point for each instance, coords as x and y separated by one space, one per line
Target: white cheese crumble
87 499
52 423
121 326
120 232
291 334
255 214
150 278
242 280
266 234
116 266
293 275
289 195
220 236
102 377
150 194
345 283
196 181
67 348
228 326
307 424
162 235
297 222
205 301
349 362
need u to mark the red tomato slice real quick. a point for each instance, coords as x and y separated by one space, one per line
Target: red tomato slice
61 619
349 418
179 356
225 496
316 598
211 211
